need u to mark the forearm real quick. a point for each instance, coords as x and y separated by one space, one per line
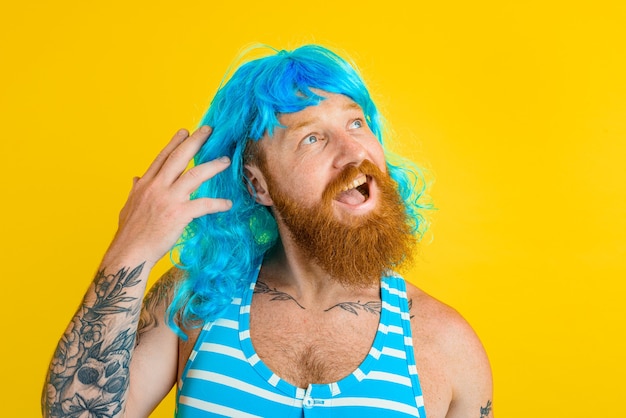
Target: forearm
90 367
89 373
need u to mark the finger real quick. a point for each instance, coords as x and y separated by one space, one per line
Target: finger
135 180
178 160
195 176
156 165
204 206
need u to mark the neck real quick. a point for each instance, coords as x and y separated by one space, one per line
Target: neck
286 267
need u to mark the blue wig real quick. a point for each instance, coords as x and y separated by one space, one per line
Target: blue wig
218 251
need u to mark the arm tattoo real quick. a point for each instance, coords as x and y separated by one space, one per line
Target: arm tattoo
484 412
262 287
411 307
159 293
374 307
89 372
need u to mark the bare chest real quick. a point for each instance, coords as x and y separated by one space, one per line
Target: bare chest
304 347
303 352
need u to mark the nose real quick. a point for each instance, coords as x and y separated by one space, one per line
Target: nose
347 150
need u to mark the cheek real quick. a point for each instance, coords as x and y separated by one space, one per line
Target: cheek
377 154
307 186
299 181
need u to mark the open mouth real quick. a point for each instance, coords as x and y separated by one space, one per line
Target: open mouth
355 193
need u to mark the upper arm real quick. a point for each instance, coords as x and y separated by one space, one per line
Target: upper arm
454 369
154 363
470 374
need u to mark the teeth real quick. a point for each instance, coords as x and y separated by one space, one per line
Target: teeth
355 183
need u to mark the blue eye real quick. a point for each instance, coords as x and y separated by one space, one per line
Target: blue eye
311 139
357 124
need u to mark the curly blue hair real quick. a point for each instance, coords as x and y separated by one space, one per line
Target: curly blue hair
218 252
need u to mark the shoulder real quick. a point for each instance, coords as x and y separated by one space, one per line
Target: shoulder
439 327
448 348
436 321
163 289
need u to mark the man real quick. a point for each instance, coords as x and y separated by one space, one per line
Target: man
284 302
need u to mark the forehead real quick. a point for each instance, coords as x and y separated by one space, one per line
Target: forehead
294 124
330 105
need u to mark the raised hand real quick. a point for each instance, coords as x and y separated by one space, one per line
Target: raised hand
159 205
90 371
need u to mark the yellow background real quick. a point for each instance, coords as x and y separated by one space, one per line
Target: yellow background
518 109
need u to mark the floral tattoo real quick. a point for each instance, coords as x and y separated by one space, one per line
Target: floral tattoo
88 376
159 293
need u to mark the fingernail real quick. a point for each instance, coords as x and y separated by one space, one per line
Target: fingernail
224 159
205 129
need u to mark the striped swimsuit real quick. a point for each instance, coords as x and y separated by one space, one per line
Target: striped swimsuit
224 377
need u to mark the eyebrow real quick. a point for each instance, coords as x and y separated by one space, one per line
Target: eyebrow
348 106
302 124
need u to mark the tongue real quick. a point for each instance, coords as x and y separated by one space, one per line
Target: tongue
351 197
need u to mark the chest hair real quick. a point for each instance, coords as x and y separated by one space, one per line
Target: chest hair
310 347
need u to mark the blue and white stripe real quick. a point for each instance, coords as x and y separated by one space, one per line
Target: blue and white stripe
224 377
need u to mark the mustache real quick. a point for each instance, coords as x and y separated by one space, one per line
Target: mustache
347 176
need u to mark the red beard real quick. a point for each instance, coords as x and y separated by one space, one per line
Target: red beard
359 249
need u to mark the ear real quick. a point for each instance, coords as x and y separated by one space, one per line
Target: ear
257 186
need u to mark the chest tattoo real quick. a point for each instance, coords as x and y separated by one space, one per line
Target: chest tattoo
275 294
373 307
